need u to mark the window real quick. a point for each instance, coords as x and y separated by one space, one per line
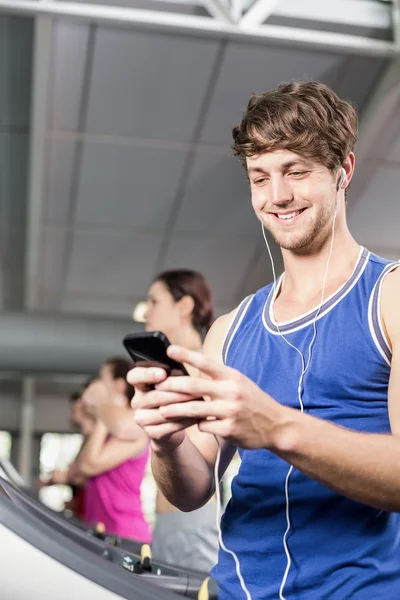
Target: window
57 451
5 444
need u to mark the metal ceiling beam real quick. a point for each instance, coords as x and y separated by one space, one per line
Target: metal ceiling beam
358 13
204 27
259 12
219 11
37 154
35 213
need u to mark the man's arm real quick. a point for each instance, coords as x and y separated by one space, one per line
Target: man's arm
99 455
362 466
183 458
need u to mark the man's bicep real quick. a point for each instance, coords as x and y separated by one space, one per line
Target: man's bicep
391 320
394 391
215 339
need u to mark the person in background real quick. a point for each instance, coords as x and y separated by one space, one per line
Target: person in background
84 424
79 421
179 304
114 468
76 414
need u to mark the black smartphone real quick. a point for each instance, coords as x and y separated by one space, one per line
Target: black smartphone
151 347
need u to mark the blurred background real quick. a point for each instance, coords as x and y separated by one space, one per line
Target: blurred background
115 129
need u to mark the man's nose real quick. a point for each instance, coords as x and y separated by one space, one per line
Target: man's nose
280 190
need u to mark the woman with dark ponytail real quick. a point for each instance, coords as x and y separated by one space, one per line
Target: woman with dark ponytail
180 305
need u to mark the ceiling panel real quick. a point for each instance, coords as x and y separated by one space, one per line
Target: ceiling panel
60 169
16 39
393 153
148 85
70 42
13 178
54 243
128 186
387 146
358 78
121 263
217 198
376 216
13 201
248 69
13 259
222 260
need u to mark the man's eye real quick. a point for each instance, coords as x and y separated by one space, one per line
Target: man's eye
298 173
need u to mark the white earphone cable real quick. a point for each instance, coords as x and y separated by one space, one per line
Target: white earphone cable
300 389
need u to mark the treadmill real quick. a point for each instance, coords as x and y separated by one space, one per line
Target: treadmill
185 582
40 563
9 472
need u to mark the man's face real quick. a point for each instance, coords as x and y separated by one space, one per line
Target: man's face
295 198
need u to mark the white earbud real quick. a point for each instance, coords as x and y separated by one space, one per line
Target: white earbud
342 178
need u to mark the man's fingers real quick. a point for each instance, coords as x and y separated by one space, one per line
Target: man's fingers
150 417
158 432
222 428
199 387
198 410
156 398
145 417
201 362
142 377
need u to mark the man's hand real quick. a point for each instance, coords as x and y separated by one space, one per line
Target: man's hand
164 434
238 410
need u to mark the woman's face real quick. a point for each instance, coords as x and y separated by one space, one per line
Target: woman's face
162 313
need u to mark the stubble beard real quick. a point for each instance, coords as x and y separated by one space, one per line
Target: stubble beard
308 238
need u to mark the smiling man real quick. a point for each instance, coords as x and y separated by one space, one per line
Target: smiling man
303 378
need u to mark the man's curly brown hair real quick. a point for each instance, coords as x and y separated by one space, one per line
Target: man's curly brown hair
305 117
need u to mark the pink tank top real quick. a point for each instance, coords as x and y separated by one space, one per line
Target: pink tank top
113 498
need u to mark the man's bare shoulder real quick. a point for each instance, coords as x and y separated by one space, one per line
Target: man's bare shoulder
390 306
215 339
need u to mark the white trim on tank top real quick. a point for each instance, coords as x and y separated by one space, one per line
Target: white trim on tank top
374 315
328 305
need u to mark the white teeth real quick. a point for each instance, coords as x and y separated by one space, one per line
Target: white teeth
289 216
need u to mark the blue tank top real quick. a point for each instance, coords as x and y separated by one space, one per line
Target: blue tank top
340 549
